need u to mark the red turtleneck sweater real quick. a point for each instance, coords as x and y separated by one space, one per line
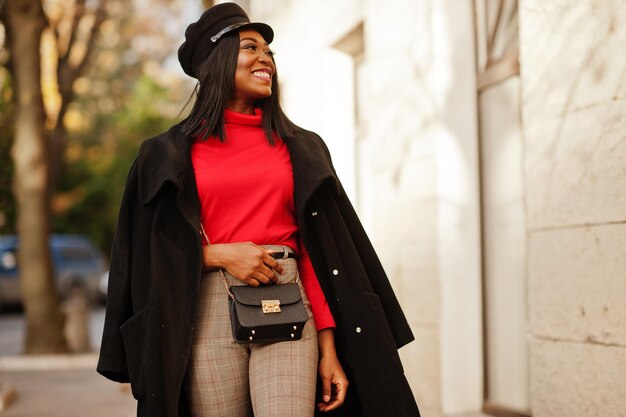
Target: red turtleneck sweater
245 187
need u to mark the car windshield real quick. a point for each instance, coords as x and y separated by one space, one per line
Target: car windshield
76 255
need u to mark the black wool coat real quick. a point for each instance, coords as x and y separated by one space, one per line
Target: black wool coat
156 267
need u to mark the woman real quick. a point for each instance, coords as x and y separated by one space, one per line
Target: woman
240 172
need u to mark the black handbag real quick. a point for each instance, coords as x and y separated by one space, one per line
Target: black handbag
265 314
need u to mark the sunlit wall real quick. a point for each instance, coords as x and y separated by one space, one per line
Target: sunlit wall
390 87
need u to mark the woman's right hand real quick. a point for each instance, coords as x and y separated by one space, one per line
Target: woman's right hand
245 261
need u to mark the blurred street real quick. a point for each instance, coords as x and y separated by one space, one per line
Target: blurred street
56 386
12 330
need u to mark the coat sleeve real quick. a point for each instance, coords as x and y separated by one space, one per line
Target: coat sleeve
382 287
112 361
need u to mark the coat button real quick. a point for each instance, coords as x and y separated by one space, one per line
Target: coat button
358 330
335 272
314 213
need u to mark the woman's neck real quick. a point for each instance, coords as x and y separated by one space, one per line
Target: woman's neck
241 106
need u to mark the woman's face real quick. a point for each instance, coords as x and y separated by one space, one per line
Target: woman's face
255 69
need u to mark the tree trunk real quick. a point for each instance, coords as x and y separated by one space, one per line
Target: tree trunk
56 153
25 21
67 73
58 138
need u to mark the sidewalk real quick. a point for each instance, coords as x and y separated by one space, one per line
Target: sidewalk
68 386
62 386
58 385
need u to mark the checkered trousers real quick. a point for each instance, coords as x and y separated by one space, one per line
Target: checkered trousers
227 379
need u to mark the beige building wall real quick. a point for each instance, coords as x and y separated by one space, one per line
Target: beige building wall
573 73
400 120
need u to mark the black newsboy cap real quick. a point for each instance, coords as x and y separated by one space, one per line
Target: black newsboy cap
215 22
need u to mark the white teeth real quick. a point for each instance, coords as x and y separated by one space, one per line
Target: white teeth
261 74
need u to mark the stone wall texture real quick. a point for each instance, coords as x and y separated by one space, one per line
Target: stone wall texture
573 73
397 176
416 178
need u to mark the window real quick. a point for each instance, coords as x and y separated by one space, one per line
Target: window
506 384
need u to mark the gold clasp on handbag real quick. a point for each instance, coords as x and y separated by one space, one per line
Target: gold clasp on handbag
270 306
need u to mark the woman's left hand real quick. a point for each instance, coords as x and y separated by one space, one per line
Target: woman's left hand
334 380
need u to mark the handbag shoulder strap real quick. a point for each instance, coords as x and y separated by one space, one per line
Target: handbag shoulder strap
204 235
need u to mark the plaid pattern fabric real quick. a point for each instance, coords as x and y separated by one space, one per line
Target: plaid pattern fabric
227 379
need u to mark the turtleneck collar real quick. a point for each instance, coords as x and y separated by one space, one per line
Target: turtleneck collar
232 117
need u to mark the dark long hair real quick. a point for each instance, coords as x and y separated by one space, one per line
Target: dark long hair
216 75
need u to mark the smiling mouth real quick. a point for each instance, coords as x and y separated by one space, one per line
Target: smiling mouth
262 74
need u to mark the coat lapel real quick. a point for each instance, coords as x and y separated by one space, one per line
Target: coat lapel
312 167
168 159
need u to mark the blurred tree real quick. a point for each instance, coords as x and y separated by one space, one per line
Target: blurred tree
74 29
94 115
25 21
125 95
7 202
98 160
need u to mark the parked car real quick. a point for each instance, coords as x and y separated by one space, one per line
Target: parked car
77 264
